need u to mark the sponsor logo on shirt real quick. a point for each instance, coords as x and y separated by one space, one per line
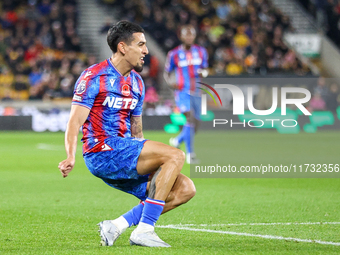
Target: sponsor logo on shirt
88 74
112 81
120 103
105 147
189 62
77 98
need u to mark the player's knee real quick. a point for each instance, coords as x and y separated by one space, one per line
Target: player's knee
178 157
190 117
191 190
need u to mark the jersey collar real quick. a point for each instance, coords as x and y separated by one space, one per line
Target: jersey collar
112 65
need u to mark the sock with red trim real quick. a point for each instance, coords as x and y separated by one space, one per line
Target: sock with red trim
152 210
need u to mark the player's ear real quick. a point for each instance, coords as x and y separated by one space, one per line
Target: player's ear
121 48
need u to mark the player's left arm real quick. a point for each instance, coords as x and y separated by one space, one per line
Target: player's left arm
203 71
137 127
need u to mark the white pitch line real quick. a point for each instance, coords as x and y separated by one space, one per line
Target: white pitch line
258 224
250 235
49 147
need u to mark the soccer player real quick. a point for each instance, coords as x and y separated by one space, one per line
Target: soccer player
107 103
189 62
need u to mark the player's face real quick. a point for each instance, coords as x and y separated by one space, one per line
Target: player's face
136 51
188 35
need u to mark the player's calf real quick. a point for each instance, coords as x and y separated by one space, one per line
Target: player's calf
182 191
187 192
165 177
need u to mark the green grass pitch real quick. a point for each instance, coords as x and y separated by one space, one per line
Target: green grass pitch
42 213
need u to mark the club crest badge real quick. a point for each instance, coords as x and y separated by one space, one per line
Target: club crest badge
135 86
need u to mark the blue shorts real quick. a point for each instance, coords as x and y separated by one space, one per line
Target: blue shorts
117 167
186 103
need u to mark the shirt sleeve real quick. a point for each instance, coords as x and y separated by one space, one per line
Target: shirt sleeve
170 62
85 91
139 107
205 60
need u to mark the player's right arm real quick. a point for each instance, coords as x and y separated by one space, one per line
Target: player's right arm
169 81
169 67
78 116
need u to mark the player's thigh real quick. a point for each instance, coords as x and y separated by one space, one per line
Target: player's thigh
182 101
154 154
195 105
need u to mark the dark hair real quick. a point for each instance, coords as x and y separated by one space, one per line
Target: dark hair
122 32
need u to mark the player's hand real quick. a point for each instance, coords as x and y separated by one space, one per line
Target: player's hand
203 73
66 166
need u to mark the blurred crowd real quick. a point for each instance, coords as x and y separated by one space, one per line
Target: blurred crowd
40 49
327 15
241 36
41 54
325 96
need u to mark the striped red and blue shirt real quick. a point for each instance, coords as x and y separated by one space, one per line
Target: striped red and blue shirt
112 100
186 63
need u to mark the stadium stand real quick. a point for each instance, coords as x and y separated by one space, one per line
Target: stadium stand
40 50
241 36
41 55
327 15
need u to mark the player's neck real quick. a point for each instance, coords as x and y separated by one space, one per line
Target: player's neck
186 47
120 65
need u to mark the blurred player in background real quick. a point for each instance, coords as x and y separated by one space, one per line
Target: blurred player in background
189 62
107 103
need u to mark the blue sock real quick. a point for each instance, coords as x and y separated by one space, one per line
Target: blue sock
133 216
189 137
180 137
152 210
